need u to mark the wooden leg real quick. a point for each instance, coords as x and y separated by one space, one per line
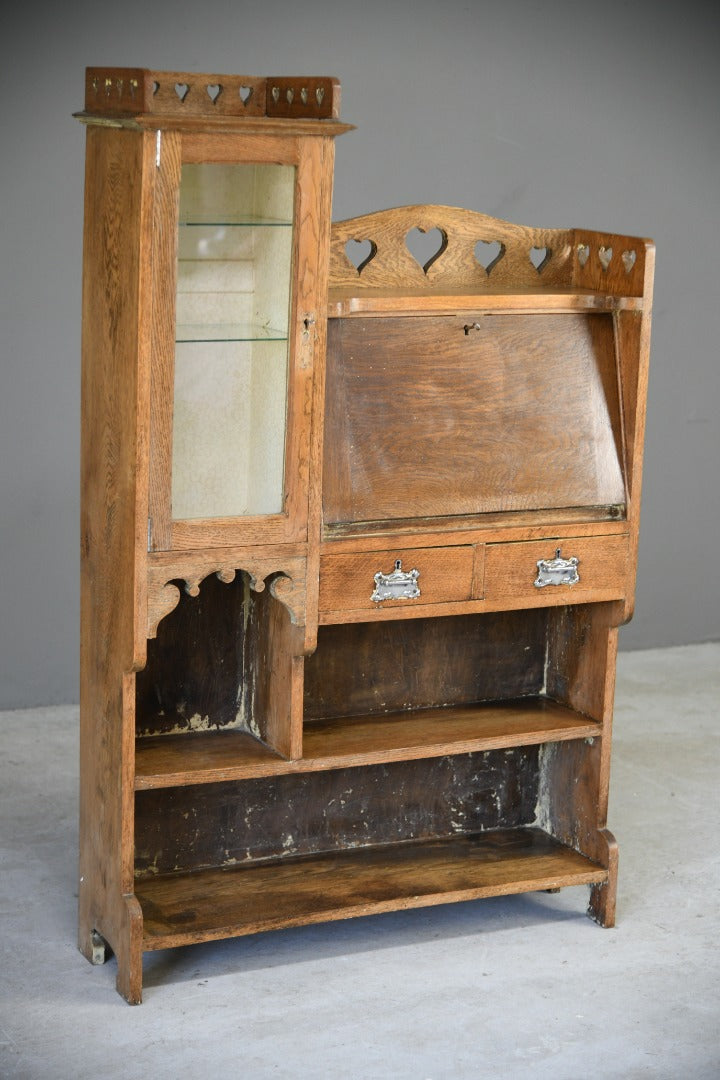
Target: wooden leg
130 953
127 947
603 897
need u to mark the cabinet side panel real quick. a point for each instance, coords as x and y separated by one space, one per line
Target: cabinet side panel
113 515
163 340
575 776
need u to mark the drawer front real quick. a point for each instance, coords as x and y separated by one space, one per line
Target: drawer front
558 571
373 581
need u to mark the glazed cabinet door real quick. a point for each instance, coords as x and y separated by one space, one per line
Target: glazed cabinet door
237 262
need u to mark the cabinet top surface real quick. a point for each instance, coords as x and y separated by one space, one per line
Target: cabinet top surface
142 95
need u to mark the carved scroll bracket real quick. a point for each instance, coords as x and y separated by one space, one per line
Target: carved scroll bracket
285 576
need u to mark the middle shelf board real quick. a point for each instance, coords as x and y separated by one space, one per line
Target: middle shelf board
214 757
179 909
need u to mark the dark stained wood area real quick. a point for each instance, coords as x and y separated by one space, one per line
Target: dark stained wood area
180 909
224 824
425 419
364 668
198 661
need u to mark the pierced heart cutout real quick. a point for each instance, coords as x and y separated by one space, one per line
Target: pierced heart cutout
214 91
583 253
605 256
628 260
540 257
182 90
245 94
426 245
489 253
360 253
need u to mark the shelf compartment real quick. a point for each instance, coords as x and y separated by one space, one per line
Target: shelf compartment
177 760
219 903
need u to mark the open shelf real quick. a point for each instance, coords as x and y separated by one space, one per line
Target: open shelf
345 301
179 909
176 760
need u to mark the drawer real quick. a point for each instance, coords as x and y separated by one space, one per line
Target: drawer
425 576
600 572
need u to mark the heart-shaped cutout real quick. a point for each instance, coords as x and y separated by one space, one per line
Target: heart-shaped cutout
290 95
426 245
605 255
275 92
245 94
628 260
320 94
360 253
540 257
214 91
304 95
155 87
489 253
182 90
583 253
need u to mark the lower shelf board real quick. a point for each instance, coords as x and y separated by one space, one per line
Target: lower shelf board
205 905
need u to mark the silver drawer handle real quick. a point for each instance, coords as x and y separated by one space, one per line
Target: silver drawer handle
398 585
557 571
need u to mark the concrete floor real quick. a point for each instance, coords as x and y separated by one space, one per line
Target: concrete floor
503 988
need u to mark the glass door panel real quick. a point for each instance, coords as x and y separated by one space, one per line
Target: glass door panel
231 351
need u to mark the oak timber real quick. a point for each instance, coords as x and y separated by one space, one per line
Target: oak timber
202 906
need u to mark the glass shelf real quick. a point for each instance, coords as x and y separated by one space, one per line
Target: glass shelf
252 221
197 333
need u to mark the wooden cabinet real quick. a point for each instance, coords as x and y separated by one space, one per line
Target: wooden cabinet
349 613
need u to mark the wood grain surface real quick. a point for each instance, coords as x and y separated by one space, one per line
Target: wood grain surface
383 667
424 419
362 740
347 582
223 903
305 813
511 570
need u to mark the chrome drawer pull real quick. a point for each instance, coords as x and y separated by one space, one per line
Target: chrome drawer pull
399 585
557 571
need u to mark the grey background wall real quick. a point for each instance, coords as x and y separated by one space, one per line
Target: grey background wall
604 115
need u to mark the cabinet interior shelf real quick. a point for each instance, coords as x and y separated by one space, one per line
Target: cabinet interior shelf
344 301
212 757
202 905
196 333
247 221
